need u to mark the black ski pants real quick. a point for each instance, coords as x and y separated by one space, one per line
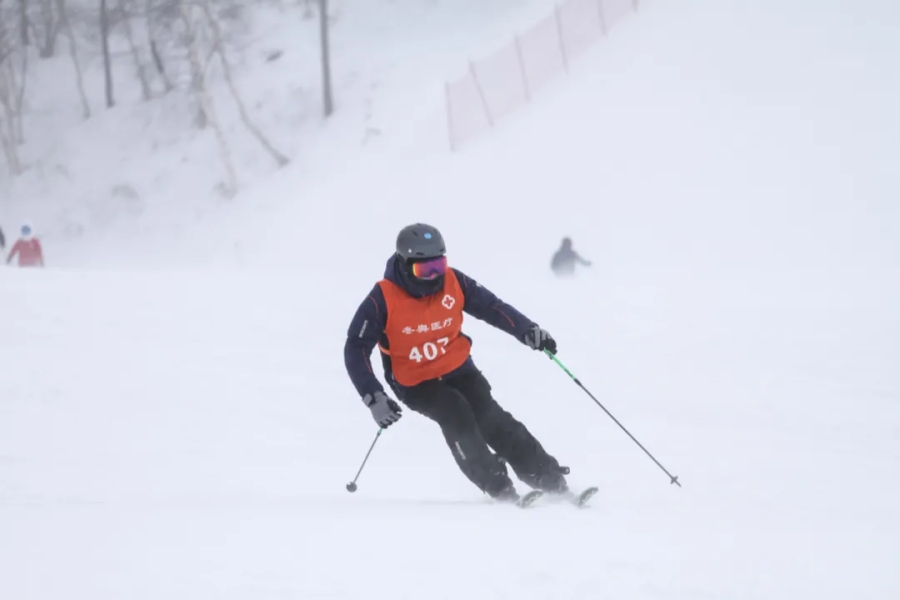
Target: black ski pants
472 423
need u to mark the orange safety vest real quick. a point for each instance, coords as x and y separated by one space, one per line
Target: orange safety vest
425 334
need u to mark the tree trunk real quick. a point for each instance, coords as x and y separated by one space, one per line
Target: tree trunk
73 52
279 158
23 21
8 124
207 108
135 53
326 60
20 99
154 49
107 66
51 26
10 151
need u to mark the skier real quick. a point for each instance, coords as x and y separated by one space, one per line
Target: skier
28 249
415 316
564 260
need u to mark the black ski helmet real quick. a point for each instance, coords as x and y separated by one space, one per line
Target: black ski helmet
420 241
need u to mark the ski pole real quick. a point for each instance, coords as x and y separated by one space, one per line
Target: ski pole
674 478
351 487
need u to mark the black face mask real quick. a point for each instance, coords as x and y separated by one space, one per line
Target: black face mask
414 286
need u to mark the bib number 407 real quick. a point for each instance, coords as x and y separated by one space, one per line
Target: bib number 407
430 350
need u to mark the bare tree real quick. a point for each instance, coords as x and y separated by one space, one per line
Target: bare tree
107 66
135 52
150 19
327 100
73 52
45 26
12 86
19 88
280 159
10 151
10 118
23 21
207 108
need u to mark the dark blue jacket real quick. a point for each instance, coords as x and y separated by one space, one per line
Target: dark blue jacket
564 260
367 327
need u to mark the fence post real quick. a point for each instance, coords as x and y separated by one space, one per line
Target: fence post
562 43
449 116
522 69
484 103
600 14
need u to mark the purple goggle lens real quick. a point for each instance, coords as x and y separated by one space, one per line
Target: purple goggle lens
430 269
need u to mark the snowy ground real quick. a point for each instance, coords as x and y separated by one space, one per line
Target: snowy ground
186 436
188 433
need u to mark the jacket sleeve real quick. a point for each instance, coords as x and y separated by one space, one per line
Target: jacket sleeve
482 304
363 335
17 247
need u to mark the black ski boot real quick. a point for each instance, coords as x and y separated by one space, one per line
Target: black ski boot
553 481
507 494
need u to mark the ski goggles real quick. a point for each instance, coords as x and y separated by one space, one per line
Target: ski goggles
431 268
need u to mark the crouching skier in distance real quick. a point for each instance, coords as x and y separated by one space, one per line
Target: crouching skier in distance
415 315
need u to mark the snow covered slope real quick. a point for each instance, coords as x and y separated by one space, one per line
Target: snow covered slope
730 170
141 174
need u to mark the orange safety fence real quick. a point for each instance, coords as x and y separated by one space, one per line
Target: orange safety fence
497 85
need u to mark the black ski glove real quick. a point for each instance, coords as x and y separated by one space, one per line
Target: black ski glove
539 339
385 409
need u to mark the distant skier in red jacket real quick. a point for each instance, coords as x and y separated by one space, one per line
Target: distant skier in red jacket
28 249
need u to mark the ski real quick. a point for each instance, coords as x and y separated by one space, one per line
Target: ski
528 499
581 500
578 500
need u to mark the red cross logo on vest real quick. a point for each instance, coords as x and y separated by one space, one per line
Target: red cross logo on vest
448 301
